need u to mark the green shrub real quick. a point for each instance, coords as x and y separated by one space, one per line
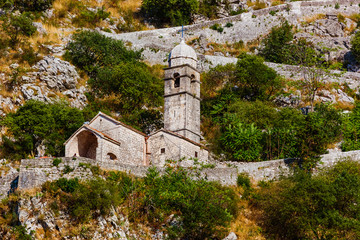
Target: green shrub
56 162
276 44
210 8
177 12
355 46
32 5
229 24
115 70
243 180
337 5
351 130
88 18
325 206
18 27
217 27
241 142
202 209
39 123
254 79
68 169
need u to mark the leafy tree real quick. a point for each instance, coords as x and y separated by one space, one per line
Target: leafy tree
351 130
277 43
37 123
133 83
90 50
18 27
355 46
33 5
302 206
120 82
242 142
254 79
202 209
175 12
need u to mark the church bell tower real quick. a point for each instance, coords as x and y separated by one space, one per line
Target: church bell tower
182 93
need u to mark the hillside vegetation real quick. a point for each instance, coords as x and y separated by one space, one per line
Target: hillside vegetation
61 62
300 206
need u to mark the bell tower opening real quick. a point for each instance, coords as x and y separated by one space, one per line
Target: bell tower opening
176 80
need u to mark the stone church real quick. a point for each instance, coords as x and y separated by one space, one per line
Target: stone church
104 138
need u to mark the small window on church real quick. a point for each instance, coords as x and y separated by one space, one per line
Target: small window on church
163 150
196 154
177 80
192 77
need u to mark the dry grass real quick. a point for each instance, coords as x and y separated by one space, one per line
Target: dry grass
130 4
310 19
256 5
53 36
245 226
277 2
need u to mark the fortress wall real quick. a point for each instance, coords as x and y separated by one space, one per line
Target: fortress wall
270 170
35 172
246 27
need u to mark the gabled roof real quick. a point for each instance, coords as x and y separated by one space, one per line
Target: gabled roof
93 130
117 122
179 136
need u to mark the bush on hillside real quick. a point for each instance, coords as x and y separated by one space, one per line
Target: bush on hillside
18 27
254 79
184 207
351 130
37 123
277 43
32 5
177 12
355 46
325 206
90 50
119 81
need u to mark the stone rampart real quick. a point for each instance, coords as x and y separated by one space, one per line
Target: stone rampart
35 172
246 27
270 170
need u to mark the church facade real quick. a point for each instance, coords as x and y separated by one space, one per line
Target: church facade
104 138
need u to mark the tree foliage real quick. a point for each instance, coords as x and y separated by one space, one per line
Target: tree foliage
176 12
277 43
119 81
355 46
254 79
175 202
17 27
37 123
351 130
325 206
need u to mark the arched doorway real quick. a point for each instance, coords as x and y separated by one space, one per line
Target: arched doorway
87 144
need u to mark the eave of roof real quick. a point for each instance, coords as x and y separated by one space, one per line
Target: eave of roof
117 122
179 136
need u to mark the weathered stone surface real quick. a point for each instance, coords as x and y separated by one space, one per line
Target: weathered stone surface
231 236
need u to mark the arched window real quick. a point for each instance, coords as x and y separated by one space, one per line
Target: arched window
112 156
177 80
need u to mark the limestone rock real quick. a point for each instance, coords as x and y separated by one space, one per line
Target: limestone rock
58 74
231 236
40 28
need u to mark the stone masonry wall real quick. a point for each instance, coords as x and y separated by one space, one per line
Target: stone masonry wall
34 172
246 27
